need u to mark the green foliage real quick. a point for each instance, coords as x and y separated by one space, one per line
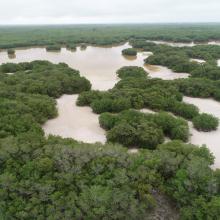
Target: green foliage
108 120
60 178
71 46
196 87
136 90
190 180
12 67
53 48
42 77
144 134
131 71
208 71
12 37
129 52
176 62
110 105
24 96
173 127
205 122
133 128
185 110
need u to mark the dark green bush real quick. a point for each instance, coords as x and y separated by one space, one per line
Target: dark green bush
53 48
205 122
133 128
173 127
185 110
129 52
131 71
60 178
144 134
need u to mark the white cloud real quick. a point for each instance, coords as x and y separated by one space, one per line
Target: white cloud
107 11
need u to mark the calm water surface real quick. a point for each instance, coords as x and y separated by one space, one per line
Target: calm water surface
99 66
179 44
211 139
75 122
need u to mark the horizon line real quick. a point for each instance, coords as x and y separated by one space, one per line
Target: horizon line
113 23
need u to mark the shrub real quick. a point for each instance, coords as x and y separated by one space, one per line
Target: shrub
103 105
185 110
87 97
145 134
107 120
71 46
131 71
129 52
53 48
175 128
146 128
205 122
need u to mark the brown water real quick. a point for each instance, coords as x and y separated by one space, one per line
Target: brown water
211 139
97 64
75 122
163 72
174 44
179 44
198 60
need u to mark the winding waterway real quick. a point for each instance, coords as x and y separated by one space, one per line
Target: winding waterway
181 44
99 65
211 139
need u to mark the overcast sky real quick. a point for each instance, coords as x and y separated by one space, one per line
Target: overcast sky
108 11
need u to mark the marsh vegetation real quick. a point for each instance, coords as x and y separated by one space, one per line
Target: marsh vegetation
125 107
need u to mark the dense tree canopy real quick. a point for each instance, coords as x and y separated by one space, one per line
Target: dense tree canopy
136 90
129 52
131 71
205 122
58 178
42 77
11 37
135 129
54 178
53 48
26 97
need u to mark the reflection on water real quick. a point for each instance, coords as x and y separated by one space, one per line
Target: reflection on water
97 64
131 58
75 122
12 56
211 139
